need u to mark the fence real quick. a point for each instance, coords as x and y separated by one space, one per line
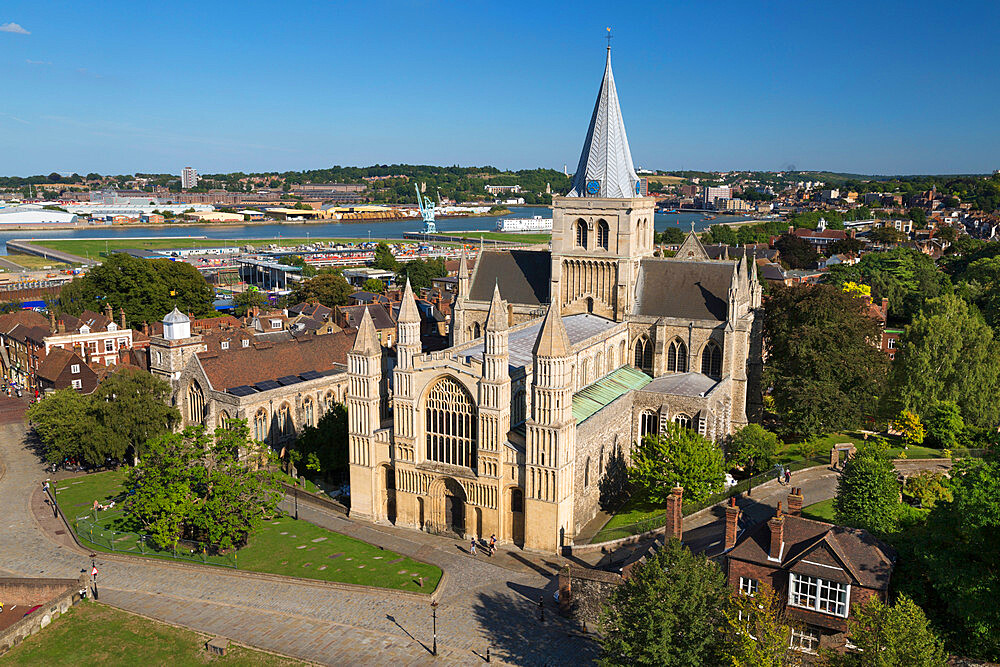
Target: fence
93 531
689 507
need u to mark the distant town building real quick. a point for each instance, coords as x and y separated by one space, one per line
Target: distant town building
503 189
189 178
710 193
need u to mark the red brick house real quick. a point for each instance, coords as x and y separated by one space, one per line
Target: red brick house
821 570
65 369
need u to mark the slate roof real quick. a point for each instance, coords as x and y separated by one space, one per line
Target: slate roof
594 397
682 384
381 317
55 369
849 555
523 276
250 365
687 290
521 342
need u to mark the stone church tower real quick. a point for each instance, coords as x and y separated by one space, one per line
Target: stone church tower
604 226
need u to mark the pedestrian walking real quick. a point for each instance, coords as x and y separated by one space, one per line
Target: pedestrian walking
788 475
493 544
472 547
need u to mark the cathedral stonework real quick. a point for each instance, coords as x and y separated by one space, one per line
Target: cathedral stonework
561 360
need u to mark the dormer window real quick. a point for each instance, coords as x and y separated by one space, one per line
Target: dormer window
225 345
246 342
112 326
84 329
275 324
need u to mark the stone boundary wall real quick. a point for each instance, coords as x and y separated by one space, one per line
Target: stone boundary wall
582 593
61 593
314 499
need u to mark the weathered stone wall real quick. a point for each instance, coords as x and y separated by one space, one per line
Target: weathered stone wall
55 595
596 442
582 593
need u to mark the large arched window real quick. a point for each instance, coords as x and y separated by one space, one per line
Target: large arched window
284 417
196 404
683 421
260 425
581 234
649 423
450 416
476 331
677 357
518 408
644 354
308 412
711 360
603 234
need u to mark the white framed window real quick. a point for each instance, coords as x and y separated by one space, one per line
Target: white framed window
828 597
891 343
109 345
748 586
74 369
77 384
246 342
275 324
804 639
225 345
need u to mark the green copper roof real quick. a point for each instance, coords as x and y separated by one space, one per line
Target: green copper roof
593 397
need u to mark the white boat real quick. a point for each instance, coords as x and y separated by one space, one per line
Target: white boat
533 224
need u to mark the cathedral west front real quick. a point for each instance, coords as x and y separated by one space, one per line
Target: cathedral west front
560 361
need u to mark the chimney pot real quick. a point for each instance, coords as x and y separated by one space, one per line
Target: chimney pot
674 523
732 524
777 527
795 501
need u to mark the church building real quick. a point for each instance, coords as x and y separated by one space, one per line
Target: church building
560 360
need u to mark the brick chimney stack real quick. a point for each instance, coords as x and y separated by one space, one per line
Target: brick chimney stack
673 527
777 526
732 522
795 501
52 321
121 314
109 312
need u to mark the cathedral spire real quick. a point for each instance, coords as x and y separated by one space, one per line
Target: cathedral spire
366 342
496 319
408 312
552 339
605 168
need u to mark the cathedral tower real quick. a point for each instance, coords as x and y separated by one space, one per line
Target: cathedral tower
494 388
604 225
364 368
404 394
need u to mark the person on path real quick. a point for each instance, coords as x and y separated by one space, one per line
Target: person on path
493 544
472 547
788 476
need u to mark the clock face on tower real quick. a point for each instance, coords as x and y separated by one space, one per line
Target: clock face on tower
593 187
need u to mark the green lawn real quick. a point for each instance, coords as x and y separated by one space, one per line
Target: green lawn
821 511
35 263
539 237
91 633
282 546
307 486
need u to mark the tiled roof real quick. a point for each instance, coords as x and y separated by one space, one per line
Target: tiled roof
688 290
247 366
28 318
589 400
523 276
381 317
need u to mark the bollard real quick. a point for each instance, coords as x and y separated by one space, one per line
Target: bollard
487 653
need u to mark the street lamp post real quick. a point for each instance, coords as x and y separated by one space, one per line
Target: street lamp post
93 572
434 615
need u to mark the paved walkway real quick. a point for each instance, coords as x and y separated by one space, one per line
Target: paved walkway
483 603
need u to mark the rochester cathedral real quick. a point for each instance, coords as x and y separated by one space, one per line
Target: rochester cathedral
560 360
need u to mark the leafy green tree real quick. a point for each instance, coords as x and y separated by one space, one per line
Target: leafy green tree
384 259
752 448
248 299
896 635
421 272
904 276
927 488
67 427
677 457
944 424
374 285
948 354
910 428
757 632
849 245
201 487
329 289
796 252
669 613
825 373
675 235
867 490
133 406
919 217
146 289
324 446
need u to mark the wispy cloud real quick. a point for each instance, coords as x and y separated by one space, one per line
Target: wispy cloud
19 120
83 71
38 62
14 28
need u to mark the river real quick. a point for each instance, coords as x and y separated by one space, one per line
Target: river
357 230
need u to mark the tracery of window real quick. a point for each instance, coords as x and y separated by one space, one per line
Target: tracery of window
581 234
683 421
308 412
603 233
649 423
644 354
677 357
284 420
196 404
260 426
711 360
450 421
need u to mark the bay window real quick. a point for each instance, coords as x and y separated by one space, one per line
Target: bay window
822 595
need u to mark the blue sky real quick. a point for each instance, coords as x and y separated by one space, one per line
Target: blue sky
869 87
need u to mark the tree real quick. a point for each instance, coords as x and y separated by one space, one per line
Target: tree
857 289
896 635
68 428
919 217
850 245
146 289
668 613
247 300
324 446
886 236
867 490
201 487
327 288
909 426
944 425
825 372
904 276
796 252
133 406
948 354
927 488
374 285
384 259
752 448
677 457
757 632
420 273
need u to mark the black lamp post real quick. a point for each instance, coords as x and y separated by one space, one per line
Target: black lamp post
93 572
434 616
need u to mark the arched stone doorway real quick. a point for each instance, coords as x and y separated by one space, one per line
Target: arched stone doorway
515 521
387 506
448 506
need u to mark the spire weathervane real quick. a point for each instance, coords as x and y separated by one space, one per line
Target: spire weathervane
609 39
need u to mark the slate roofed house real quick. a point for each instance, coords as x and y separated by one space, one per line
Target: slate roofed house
316 311
349 317
820 570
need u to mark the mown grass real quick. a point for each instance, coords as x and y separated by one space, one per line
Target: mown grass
282 546
528 237
91 633
35 263
821 511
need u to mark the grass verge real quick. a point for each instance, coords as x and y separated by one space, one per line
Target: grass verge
35 263
821 511
503 236
282 546
91 633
